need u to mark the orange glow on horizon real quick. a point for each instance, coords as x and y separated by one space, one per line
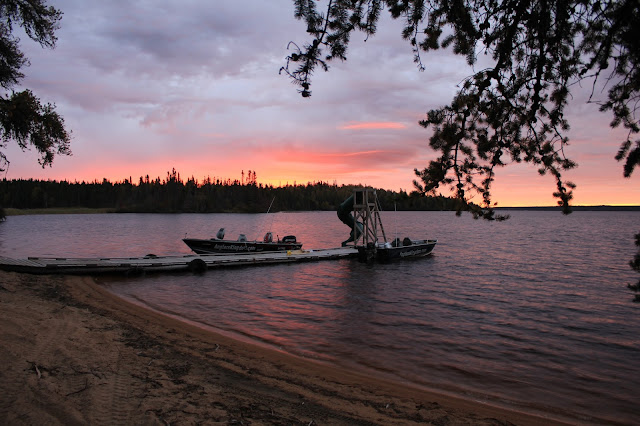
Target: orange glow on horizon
390 168
514 193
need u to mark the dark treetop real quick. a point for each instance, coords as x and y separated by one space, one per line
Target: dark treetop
513 110
23 118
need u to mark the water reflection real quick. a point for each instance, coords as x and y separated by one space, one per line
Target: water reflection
533 311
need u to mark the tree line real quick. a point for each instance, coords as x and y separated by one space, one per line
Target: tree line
175 195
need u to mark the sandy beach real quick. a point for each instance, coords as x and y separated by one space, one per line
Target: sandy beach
73 353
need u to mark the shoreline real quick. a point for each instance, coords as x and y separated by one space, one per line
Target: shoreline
74 353
10 211
446 392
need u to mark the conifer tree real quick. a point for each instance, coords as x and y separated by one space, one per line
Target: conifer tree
23 118
513 110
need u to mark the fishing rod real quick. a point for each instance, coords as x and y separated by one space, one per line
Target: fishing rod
274 198
268 210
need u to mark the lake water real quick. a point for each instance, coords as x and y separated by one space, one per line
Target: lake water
532 313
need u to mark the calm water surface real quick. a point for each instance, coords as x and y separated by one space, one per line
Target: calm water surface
532 313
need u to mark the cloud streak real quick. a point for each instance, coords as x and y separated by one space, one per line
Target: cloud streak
374 125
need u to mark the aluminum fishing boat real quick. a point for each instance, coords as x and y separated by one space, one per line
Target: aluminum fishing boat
242 244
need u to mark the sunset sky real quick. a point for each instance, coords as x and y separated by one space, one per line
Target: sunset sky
147 86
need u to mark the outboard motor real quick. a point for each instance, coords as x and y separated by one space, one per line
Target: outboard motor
220 234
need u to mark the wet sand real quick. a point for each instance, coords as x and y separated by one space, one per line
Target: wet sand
73 353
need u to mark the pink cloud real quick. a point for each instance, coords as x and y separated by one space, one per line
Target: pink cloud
373 125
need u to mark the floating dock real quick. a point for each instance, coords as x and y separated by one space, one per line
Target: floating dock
152 263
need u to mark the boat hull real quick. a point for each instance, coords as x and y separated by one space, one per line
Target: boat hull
214 246
387 253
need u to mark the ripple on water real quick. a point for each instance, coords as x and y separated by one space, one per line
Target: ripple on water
532 312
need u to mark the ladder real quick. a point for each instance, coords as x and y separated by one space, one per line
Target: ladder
366 211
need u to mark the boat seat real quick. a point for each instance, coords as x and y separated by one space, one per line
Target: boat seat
396 243
220 234
242 237
407 241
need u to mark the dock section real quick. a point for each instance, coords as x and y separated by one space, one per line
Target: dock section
151 263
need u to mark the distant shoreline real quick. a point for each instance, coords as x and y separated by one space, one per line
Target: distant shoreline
575 208
86 210
57 210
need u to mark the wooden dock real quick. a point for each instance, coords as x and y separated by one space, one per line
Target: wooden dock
151 263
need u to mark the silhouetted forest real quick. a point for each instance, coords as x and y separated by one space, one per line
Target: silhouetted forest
173 195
